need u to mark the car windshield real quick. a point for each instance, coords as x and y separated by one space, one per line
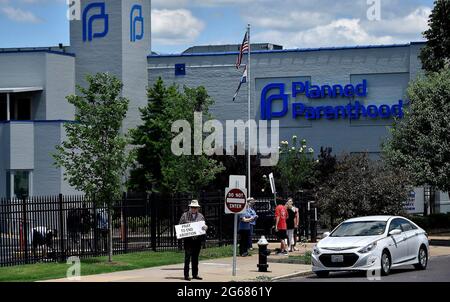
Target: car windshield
360 228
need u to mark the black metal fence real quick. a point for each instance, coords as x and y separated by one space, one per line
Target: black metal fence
52 228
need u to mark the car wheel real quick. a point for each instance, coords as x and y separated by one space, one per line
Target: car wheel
423 259
385 263
322 274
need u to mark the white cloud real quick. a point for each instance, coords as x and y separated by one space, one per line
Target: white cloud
411 24
289 20
205 3
19 15
337 33
325 23
172 27
169 3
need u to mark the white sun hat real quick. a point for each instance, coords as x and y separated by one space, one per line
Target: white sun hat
194 204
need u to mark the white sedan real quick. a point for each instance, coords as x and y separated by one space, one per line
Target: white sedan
373 243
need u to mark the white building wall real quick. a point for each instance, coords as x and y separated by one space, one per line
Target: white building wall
60 82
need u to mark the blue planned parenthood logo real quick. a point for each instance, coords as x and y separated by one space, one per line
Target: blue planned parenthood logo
88 31
353 110
136 19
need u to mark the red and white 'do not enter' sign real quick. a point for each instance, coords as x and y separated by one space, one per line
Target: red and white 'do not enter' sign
235 200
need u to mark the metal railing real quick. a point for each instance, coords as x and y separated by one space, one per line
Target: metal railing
52 228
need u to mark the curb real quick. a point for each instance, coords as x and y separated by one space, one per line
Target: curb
293 275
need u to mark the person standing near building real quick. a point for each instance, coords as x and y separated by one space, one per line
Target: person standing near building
245 220
251 203
192 245
281 215
291 223
102 228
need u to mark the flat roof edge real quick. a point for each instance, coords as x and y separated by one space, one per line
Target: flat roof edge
284 50
38 51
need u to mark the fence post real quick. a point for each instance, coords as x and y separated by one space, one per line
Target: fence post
172 215
25 227
152 220
221 212
94 206
124 222
61 224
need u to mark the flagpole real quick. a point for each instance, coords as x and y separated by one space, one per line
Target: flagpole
249 114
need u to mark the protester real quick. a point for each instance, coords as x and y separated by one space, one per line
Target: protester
251 203
245 219
192 245
281 216
291 223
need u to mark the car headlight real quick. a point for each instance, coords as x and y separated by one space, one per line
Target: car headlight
368 248
316 250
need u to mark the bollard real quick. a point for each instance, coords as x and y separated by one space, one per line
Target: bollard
263 253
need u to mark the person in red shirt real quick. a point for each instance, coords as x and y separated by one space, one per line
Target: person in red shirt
281 216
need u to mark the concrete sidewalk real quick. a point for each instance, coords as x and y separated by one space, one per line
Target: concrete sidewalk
217 270
220 270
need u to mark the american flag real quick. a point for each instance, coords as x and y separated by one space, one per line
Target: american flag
244 47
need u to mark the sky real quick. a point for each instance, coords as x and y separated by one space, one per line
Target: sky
179 24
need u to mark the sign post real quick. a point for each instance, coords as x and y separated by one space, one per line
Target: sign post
272 187
235 203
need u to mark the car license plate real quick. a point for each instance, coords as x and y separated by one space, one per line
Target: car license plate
337 258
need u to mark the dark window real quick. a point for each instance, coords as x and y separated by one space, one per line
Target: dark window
8 184
21 183
360 228
3 106
395 224
180 69
407 226
20 108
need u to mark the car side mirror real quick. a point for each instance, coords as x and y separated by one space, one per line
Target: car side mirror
395 232
326 234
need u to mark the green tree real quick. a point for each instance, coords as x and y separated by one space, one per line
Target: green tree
296 165
156 168
436 54
361 187
325 167
420 142
93 154
152 139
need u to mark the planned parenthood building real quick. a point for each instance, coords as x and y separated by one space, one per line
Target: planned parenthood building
339 97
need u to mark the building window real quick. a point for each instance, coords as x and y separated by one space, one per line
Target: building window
19 183
180 69
20 108
3 106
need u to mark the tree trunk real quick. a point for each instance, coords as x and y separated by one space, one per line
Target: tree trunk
110 235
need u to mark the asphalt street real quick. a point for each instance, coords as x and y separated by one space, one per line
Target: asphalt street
438 270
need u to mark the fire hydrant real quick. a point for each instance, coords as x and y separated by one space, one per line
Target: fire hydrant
263 253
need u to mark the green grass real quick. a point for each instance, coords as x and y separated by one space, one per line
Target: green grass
305 258
98 265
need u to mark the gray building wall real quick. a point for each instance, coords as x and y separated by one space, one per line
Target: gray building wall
22 69
387 69
4 157
115 53
101 54
46 177
59 83
27 145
